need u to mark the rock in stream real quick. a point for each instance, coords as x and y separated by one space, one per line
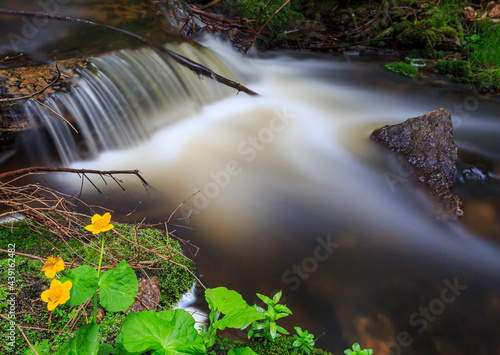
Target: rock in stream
426 142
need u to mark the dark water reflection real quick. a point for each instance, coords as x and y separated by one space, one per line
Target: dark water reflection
41 39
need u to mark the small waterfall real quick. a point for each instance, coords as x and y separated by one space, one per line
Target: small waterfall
115 103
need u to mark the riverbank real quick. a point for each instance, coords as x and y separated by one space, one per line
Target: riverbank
454 39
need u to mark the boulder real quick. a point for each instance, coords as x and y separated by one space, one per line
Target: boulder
426 142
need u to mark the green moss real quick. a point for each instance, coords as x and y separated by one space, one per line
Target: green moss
487 81
281 346
402 69
110 328
457 68
251 9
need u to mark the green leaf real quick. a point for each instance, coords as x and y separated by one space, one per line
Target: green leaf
167 332
281 330
118 288
239 319
282 308
273 330
277 297
244 351
84 342
265 299
224 300
84 279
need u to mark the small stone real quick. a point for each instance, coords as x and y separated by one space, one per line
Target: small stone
426 142
148 296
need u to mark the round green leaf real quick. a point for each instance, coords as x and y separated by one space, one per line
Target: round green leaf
84 279
224 300
118 288
167 332
84 342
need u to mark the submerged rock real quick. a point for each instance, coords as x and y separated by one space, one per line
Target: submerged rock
426 142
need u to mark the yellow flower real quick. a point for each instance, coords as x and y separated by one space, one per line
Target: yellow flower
57 294
53 265
100 224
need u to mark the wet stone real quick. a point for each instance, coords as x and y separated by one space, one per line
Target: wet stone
426 142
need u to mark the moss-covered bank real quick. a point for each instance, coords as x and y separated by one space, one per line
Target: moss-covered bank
31 312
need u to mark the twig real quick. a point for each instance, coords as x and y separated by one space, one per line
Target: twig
210 4
35 93
272 16
262 10
50 109
219 19
36 169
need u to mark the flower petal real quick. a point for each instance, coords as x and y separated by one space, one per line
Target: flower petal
95 218
107 228
59 266
67 285
50 272
106 218
45 296
52 305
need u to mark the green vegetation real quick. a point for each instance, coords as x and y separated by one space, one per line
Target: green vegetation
482 44
281 346
303 341
403 69
487 80
435 27
456 68
252 10
268 329
356 350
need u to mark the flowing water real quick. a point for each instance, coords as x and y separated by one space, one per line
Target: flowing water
293 195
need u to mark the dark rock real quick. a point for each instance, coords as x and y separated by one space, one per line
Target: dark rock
426 142
148 295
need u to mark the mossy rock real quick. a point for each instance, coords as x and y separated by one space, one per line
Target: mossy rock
487 81
174 279
456 68
402 68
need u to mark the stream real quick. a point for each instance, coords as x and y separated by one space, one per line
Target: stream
291 194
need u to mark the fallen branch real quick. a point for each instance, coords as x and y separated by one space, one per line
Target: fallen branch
186 62
220 19
44 169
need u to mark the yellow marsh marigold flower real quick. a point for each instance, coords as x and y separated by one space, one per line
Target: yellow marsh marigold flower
53 265
100 224
57 294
